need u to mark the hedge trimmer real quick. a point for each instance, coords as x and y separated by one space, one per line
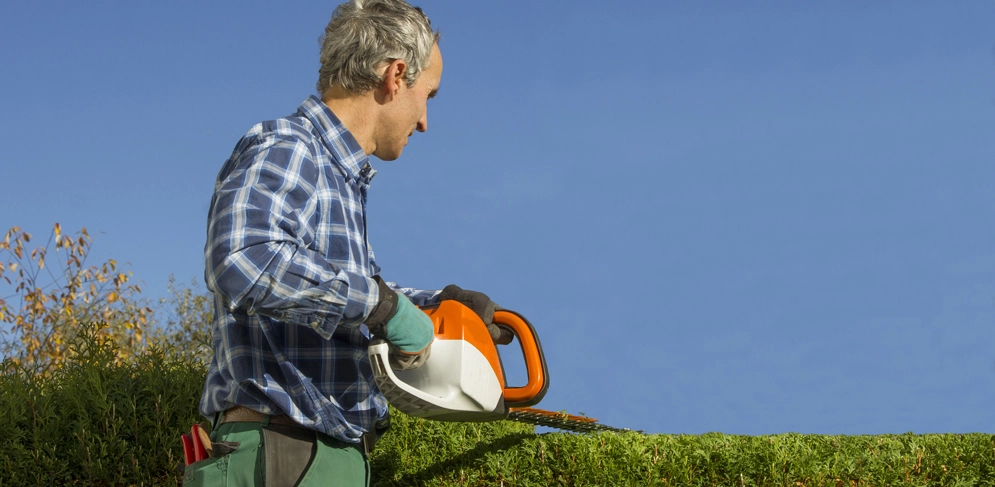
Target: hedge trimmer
463 379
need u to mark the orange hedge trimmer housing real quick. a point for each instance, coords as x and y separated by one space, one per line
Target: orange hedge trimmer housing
463 378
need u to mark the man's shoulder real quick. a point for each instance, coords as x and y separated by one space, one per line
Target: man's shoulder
291 127
293 132
312 131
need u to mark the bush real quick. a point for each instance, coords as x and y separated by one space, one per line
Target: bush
182 323
499 454
103 405
51 291
102 422
96 420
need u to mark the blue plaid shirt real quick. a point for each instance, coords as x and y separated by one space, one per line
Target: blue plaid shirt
290 267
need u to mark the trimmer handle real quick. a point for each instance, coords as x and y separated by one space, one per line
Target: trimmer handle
535 362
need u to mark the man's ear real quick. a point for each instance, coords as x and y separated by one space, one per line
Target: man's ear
394 78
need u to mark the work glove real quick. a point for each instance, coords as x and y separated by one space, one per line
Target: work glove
483 307
407 329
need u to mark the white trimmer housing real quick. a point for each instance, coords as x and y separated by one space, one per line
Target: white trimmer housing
462 379
456 383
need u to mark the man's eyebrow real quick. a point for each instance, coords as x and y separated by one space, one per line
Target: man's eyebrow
433 93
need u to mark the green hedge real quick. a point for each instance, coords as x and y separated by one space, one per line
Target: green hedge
434 454
93 422
97 423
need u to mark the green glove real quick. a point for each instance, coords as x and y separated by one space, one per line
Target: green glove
400 322
410 330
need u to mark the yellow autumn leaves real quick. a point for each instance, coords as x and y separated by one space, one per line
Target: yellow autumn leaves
48 291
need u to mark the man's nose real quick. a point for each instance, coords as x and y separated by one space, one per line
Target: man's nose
423 122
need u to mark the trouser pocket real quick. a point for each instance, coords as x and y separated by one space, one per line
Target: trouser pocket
337 464
236 459
209 472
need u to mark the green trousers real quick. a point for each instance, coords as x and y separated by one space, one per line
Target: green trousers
297 457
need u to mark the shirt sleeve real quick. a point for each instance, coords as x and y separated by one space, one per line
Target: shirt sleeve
256 255
420 297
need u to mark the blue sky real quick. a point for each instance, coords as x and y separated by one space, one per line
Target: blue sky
743 217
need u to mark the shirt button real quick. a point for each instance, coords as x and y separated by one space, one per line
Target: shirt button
314 324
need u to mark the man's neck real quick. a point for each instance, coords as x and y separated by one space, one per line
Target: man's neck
356 112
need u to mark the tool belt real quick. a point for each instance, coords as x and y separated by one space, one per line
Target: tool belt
242 414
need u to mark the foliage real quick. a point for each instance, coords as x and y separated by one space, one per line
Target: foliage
53 296
96 420
100 421
182 323
419 452
104 405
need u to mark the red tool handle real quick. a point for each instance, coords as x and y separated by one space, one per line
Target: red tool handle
188 455
535 363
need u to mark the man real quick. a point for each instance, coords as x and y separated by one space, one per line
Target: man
297 293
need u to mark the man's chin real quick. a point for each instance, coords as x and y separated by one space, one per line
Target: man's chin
388 156
389 153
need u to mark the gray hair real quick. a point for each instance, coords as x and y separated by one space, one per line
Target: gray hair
365 34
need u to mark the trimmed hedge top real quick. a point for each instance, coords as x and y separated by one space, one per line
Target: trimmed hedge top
94 422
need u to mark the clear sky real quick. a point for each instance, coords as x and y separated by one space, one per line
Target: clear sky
745 217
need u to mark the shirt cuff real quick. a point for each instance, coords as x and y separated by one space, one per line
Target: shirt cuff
362 298
361 295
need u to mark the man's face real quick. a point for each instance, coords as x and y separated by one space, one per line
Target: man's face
408 111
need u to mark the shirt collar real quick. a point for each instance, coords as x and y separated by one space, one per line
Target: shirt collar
339 141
